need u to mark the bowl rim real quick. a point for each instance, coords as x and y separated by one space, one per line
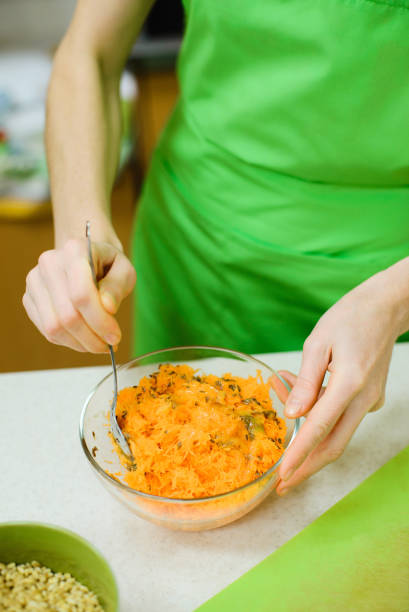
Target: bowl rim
75 537
178 500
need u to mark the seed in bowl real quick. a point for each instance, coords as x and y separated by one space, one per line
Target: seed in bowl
34 587
196 435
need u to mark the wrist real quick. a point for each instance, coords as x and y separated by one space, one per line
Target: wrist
397 281
102 229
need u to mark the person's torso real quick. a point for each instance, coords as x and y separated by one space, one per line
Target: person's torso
318 90
292 127
282 178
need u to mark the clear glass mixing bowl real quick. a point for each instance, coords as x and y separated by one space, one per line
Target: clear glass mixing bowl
184 514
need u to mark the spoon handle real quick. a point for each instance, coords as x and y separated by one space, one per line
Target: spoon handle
116 431
94 276
90 259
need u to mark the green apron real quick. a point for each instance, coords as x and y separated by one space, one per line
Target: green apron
281 180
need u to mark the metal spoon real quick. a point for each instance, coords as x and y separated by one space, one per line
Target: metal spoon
116 430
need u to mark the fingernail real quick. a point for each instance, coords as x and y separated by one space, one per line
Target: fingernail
113 340
287 475
282 492
293 407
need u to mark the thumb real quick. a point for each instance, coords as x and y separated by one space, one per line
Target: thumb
307 386
117 283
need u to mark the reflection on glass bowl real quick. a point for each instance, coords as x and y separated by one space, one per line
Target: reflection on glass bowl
184 514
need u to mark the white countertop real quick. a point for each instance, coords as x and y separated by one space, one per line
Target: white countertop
45 477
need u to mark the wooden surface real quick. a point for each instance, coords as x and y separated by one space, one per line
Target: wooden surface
157 95
22 243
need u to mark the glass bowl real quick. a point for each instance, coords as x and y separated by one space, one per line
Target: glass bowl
184 514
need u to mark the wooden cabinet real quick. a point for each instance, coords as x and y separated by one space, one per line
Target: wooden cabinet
22 242
157 94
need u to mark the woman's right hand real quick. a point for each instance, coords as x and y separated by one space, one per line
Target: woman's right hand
63 302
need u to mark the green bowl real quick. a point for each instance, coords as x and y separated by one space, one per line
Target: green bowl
62 551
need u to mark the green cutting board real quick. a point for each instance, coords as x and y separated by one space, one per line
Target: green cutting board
354 558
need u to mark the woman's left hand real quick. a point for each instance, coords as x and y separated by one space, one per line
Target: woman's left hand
353 340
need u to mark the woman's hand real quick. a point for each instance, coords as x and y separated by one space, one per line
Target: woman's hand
63 302
353 340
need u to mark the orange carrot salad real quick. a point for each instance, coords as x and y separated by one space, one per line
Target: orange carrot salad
197 436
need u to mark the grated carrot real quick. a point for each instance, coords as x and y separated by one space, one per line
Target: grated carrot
197 436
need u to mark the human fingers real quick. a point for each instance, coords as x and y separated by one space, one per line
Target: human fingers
304 394
291 379
31 311
118 283
84 294
379 403
51 267
319 422
330 449
288 377
280 385
40 310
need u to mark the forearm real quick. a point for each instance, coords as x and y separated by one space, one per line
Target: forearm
82 140
83 128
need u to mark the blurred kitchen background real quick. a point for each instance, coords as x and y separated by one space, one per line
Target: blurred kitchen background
30 31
